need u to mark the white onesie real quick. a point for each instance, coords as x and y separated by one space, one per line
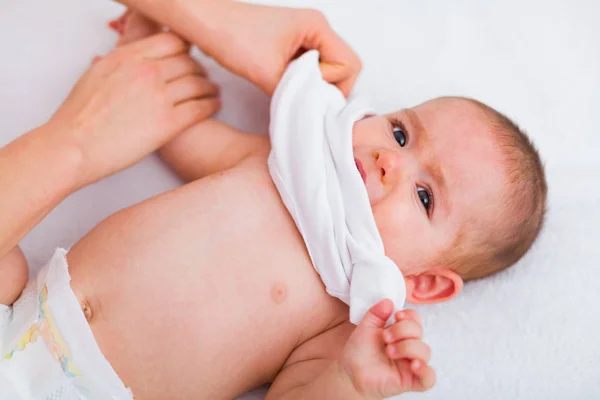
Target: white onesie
313 167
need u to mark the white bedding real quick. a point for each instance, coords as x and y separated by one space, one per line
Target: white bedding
529 333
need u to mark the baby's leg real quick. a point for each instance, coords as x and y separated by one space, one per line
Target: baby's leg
132 26
118 24
13 276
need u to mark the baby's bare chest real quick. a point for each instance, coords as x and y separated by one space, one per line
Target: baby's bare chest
224 264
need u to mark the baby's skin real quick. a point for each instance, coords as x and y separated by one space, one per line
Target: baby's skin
207 291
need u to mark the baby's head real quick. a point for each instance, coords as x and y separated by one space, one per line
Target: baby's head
457 190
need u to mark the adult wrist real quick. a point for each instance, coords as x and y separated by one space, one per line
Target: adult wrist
202 22
63 155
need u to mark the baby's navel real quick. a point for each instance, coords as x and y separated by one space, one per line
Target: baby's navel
86 307
87 310
279 292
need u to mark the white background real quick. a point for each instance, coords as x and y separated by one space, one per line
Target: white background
529 333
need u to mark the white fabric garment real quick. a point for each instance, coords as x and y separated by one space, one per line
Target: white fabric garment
313 167
48 349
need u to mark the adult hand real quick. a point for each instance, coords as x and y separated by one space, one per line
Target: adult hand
257 42
254 41
131 102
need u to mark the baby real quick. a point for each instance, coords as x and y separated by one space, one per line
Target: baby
207 291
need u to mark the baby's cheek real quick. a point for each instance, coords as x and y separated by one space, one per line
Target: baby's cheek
357 137
375 193
390 224
365 131
405 238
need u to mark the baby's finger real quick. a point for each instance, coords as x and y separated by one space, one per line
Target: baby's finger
425 376
178 66
403 330
191 87
412 348
409 313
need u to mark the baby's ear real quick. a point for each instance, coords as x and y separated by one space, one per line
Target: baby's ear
433 286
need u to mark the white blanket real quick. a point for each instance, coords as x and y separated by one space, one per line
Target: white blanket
529 333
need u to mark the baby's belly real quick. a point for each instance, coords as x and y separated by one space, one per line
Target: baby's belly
202 292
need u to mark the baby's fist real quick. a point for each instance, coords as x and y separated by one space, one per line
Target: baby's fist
384 362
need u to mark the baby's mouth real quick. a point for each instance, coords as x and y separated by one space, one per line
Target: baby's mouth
360 168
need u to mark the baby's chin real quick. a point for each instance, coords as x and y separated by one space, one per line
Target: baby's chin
394 255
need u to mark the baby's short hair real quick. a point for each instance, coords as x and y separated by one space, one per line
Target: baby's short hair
483 251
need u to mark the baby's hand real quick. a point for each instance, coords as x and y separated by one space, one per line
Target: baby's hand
387 362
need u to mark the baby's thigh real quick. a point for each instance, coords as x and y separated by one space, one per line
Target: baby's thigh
13 275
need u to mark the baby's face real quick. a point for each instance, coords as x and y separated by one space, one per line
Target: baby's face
428 170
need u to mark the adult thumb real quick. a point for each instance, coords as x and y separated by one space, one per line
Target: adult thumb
378 315
334 72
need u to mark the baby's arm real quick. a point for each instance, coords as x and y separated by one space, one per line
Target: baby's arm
313 372
209 147
366 362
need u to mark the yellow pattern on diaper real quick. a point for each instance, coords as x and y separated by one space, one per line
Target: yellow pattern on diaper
46 328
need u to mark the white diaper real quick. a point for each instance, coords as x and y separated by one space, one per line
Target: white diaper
47 349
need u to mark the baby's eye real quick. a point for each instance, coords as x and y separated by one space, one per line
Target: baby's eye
400 136
425 197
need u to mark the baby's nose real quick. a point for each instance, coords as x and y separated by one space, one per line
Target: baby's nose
395 166
388 162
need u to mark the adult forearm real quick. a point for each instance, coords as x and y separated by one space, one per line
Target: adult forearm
196 20
37 172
